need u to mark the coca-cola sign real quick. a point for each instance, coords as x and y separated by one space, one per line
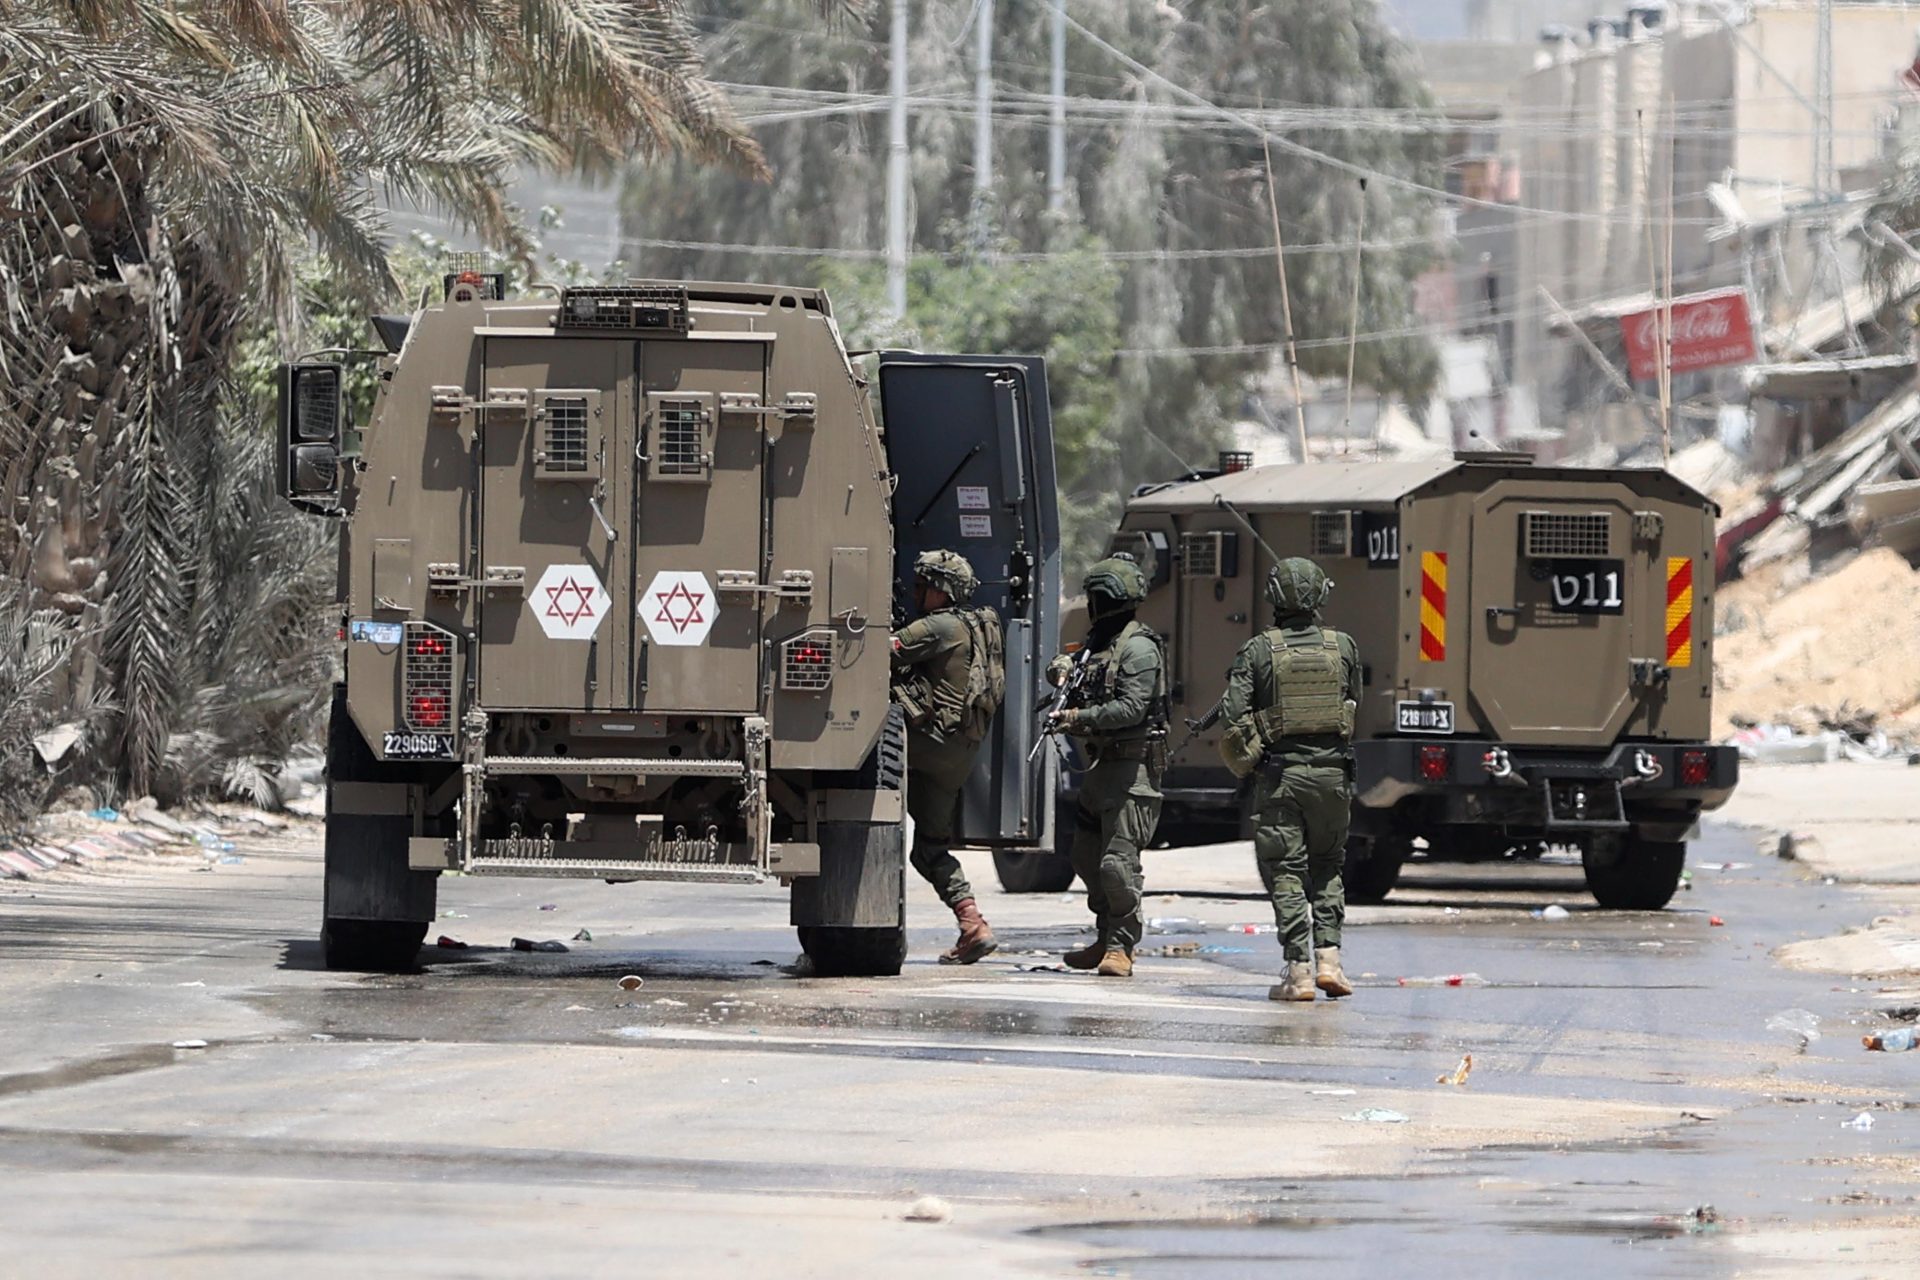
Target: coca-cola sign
1709 330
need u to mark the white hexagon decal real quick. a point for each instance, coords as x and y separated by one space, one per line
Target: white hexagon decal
569 602
679 608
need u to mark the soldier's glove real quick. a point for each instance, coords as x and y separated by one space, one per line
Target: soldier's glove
1059 721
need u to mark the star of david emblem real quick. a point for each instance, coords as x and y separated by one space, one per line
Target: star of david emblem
570 613
568 602
680 608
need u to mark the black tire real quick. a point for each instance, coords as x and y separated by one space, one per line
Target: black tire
1033 870
1373 868
372 946
841 952
374 908
885 767
1633 874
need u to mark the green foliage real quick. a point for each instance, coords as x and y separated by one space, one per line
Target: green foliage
1145 181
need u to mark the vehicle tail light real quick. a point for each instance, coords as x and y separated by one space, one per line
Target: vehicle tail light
1696 768
806 662
1435 763
427 679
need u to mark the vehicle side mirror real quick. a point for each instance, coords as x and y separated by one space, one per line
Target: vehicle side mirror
312 424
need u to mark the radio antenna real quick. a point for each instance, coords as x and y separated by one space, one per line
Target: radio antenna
1219 498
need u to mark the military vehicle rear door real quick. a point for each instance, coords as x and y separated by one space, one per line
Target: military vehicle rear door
970 440
1555 602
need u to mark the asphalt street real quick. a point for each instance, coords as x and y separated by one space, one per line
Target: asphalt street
506 1113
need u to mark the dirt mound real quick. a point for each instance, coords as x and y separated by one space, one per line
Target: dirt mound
1850 638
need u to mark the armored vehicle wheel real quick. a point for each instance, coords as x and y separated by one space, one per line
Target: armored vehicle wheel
1033 870
1633 874
1373 868
375 909
838 951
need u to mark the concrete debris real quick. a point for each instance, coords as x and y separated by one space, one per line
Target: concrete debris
1376 1115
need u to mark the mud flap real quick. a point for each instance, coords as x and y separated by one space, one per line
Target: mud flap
861 882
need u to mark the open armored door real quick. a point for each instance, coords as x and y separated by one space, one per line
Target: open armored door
971 442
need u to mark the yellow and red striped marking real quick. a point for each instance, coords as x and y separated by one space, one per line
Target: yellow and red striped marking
1679 611
1433 606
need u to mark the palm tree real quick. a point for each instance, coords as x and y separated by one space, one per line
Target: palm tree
165 166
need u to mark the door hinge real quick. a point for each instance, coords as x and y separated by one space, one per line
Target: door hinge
1648 672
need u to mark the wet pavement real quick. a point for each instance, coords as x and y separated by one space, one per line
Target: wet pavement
1628 1109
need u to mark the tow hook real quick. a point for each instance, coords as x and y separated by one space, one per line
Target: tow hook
1498 763
1647 765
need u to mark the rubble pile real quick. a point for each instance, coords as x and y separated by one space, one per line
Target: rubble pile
1834 653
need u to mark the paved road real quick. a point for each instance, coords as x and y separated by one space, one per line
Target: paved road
503 1113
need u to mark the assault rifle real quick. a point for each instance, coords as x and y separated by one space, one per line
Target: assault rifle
1071 693
1197 727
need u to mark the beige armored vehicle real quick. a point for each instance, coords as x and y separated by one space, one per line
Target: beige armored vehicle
617 573
1538 650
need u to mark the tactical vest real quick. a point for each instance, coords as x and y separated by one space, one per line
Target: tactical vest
1100 679
1303 695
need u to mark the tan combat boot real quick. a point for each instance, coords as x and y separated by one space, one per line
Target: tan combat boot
1299 983
1327 973
976 935
1087 957
1116 964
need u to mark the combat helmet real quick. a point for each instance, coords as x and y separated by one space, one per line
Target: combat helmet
949 571
1114 585
1297 587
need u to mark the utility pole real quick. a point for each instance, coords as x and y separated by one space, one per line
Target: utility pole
982 120
1057 115
897 169
1825 180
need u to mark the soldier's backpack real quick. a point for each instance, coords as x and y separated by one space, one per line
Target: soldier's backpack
986 673
1309 700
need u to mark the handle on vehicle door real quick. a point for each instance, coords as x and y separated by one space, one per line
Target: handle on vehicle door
1498 611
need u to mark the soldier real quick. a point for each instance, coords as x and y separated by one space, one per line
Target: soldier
1289 706
1114 700
949 677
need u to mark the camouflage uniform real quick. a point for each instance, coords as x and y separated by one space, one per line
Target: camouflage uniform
932 656
1117 710
1303 791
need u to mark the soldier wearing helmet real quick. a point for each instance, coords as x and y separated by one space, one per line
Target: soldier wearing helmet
1289 708
948 677
1114 702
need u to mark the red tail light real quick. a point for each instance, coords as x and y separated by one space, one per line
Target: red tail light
428 710
1435 763
427 698
1696 768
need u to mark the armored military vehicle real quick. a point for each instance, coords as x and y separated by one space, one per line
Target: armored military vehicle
617 573
1537 641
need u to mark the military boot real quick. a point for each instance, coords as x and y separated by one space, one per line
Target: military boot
1299 983
976 935
1327 973
1116 964
1087 957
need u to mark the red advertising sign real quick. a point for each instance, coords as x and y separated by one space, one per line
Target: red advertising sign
1709 330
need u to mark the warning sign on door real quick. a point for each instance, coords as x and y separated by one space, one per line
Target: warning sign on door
973 497
975 526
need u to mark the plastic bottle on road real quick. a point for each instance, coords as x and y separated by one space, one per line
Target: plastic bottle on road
1898 1040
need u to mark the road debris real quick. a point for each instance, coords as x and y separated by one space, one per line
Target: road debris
1446 980
1799 1022
549 945
632 982
549 906
189 1044
451 944
1861 1122
1376 1115
1175 924
930 1209
1458 1076
668 1002
1899 1040
1333 1093
1715 921
1554 912
585 935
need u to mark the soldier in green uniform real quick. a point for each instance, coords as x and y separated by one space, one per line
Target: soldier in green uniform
1114 700
944 679
1289 707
